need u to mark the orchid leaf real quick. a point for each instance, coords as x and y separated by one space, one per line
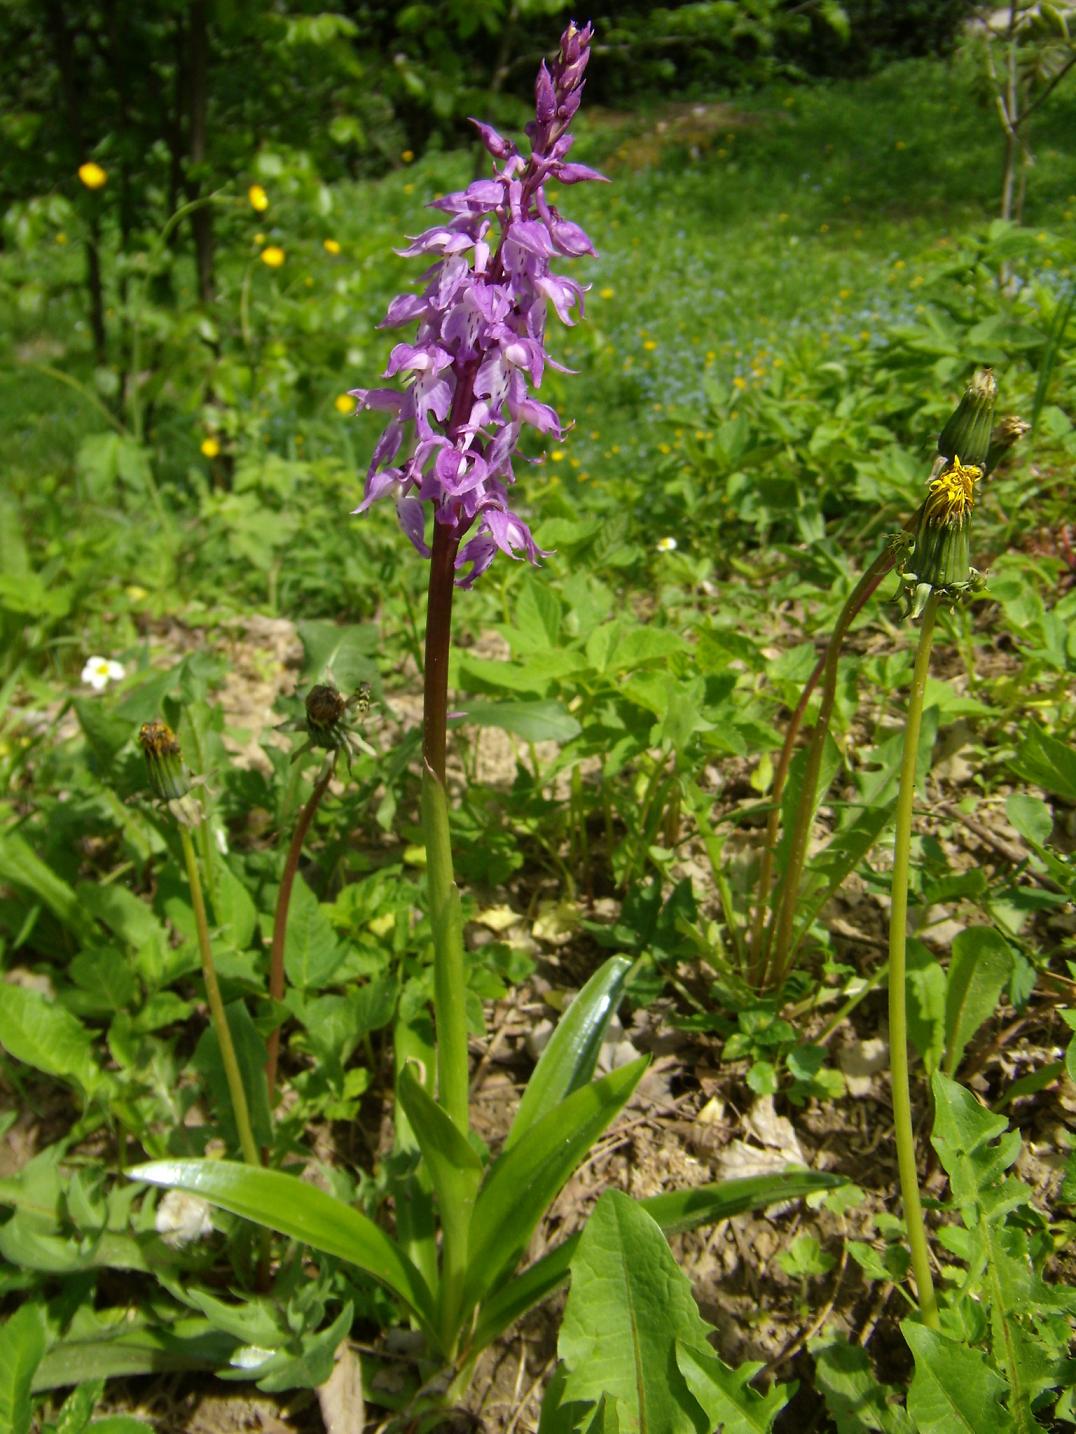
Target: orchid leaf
292 1207
523 1182
568 1060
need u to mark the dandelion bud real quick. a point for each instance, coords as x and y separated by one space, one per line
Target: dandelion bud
167 775
325 710
329 723
968 430
941 553
1009 431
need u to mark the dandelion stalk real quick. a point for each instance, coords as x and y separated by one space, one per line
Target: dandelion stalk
898 981
240 1109
770 949
170 781
327 729
943 574
280 917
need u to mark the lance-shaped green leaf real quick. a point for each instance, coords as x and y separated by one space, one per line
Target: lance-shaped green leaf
443 1145
22 1344
523 1182
568 1060
954 1390
455 1169
674 1211
301 1211
629 1308
981 966
118 1348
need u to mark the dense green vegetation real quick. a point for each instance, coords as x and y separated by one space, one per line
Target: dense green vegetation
793 288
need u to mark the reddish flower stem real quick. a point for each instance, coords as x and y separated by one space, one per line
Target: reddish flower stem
280 918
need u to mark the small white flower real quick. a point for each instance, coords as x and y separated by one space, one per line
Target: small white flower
666 545
100 671
182 1218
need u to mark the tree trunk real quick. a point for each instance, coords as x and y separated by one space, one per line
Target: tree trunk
198 114
63 45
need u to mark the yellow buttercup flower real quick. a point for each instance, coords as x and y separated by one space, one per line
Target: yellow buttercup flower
273 256
259 200
331 246
92 175
344 403
210 448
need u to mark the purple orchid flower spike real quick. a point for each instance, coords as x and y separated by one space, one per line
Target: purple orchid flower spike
480 347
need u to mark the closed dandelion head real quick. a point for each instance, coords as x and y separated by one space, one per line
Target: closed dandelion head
329 723
937 560
1006 434
169 777
968 429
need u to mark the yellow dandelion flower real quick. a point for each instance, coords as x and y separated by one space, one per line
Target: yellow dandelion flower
61 237
740 383
259 200
210 447
606 293
92 175
952 494
650 345
259 238
273 256
331 246
344 403
407 156
557 455
409 189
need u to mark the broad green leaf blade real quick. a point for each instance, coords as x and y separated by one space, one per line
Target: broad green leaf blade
676 1211
22 1345
679 1210
954 1390
557 1417
20 866
346 654
42 1034
978 973
122 1349
543 721
629 1307
523 1182
568 1060
1047 762
302 1212
856 1400
974 1146
455 1167
730 1403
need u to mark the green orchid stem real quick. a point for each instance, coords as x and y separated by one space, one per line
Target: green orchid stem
771 956
449 967
240 1109
280 918
898 983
